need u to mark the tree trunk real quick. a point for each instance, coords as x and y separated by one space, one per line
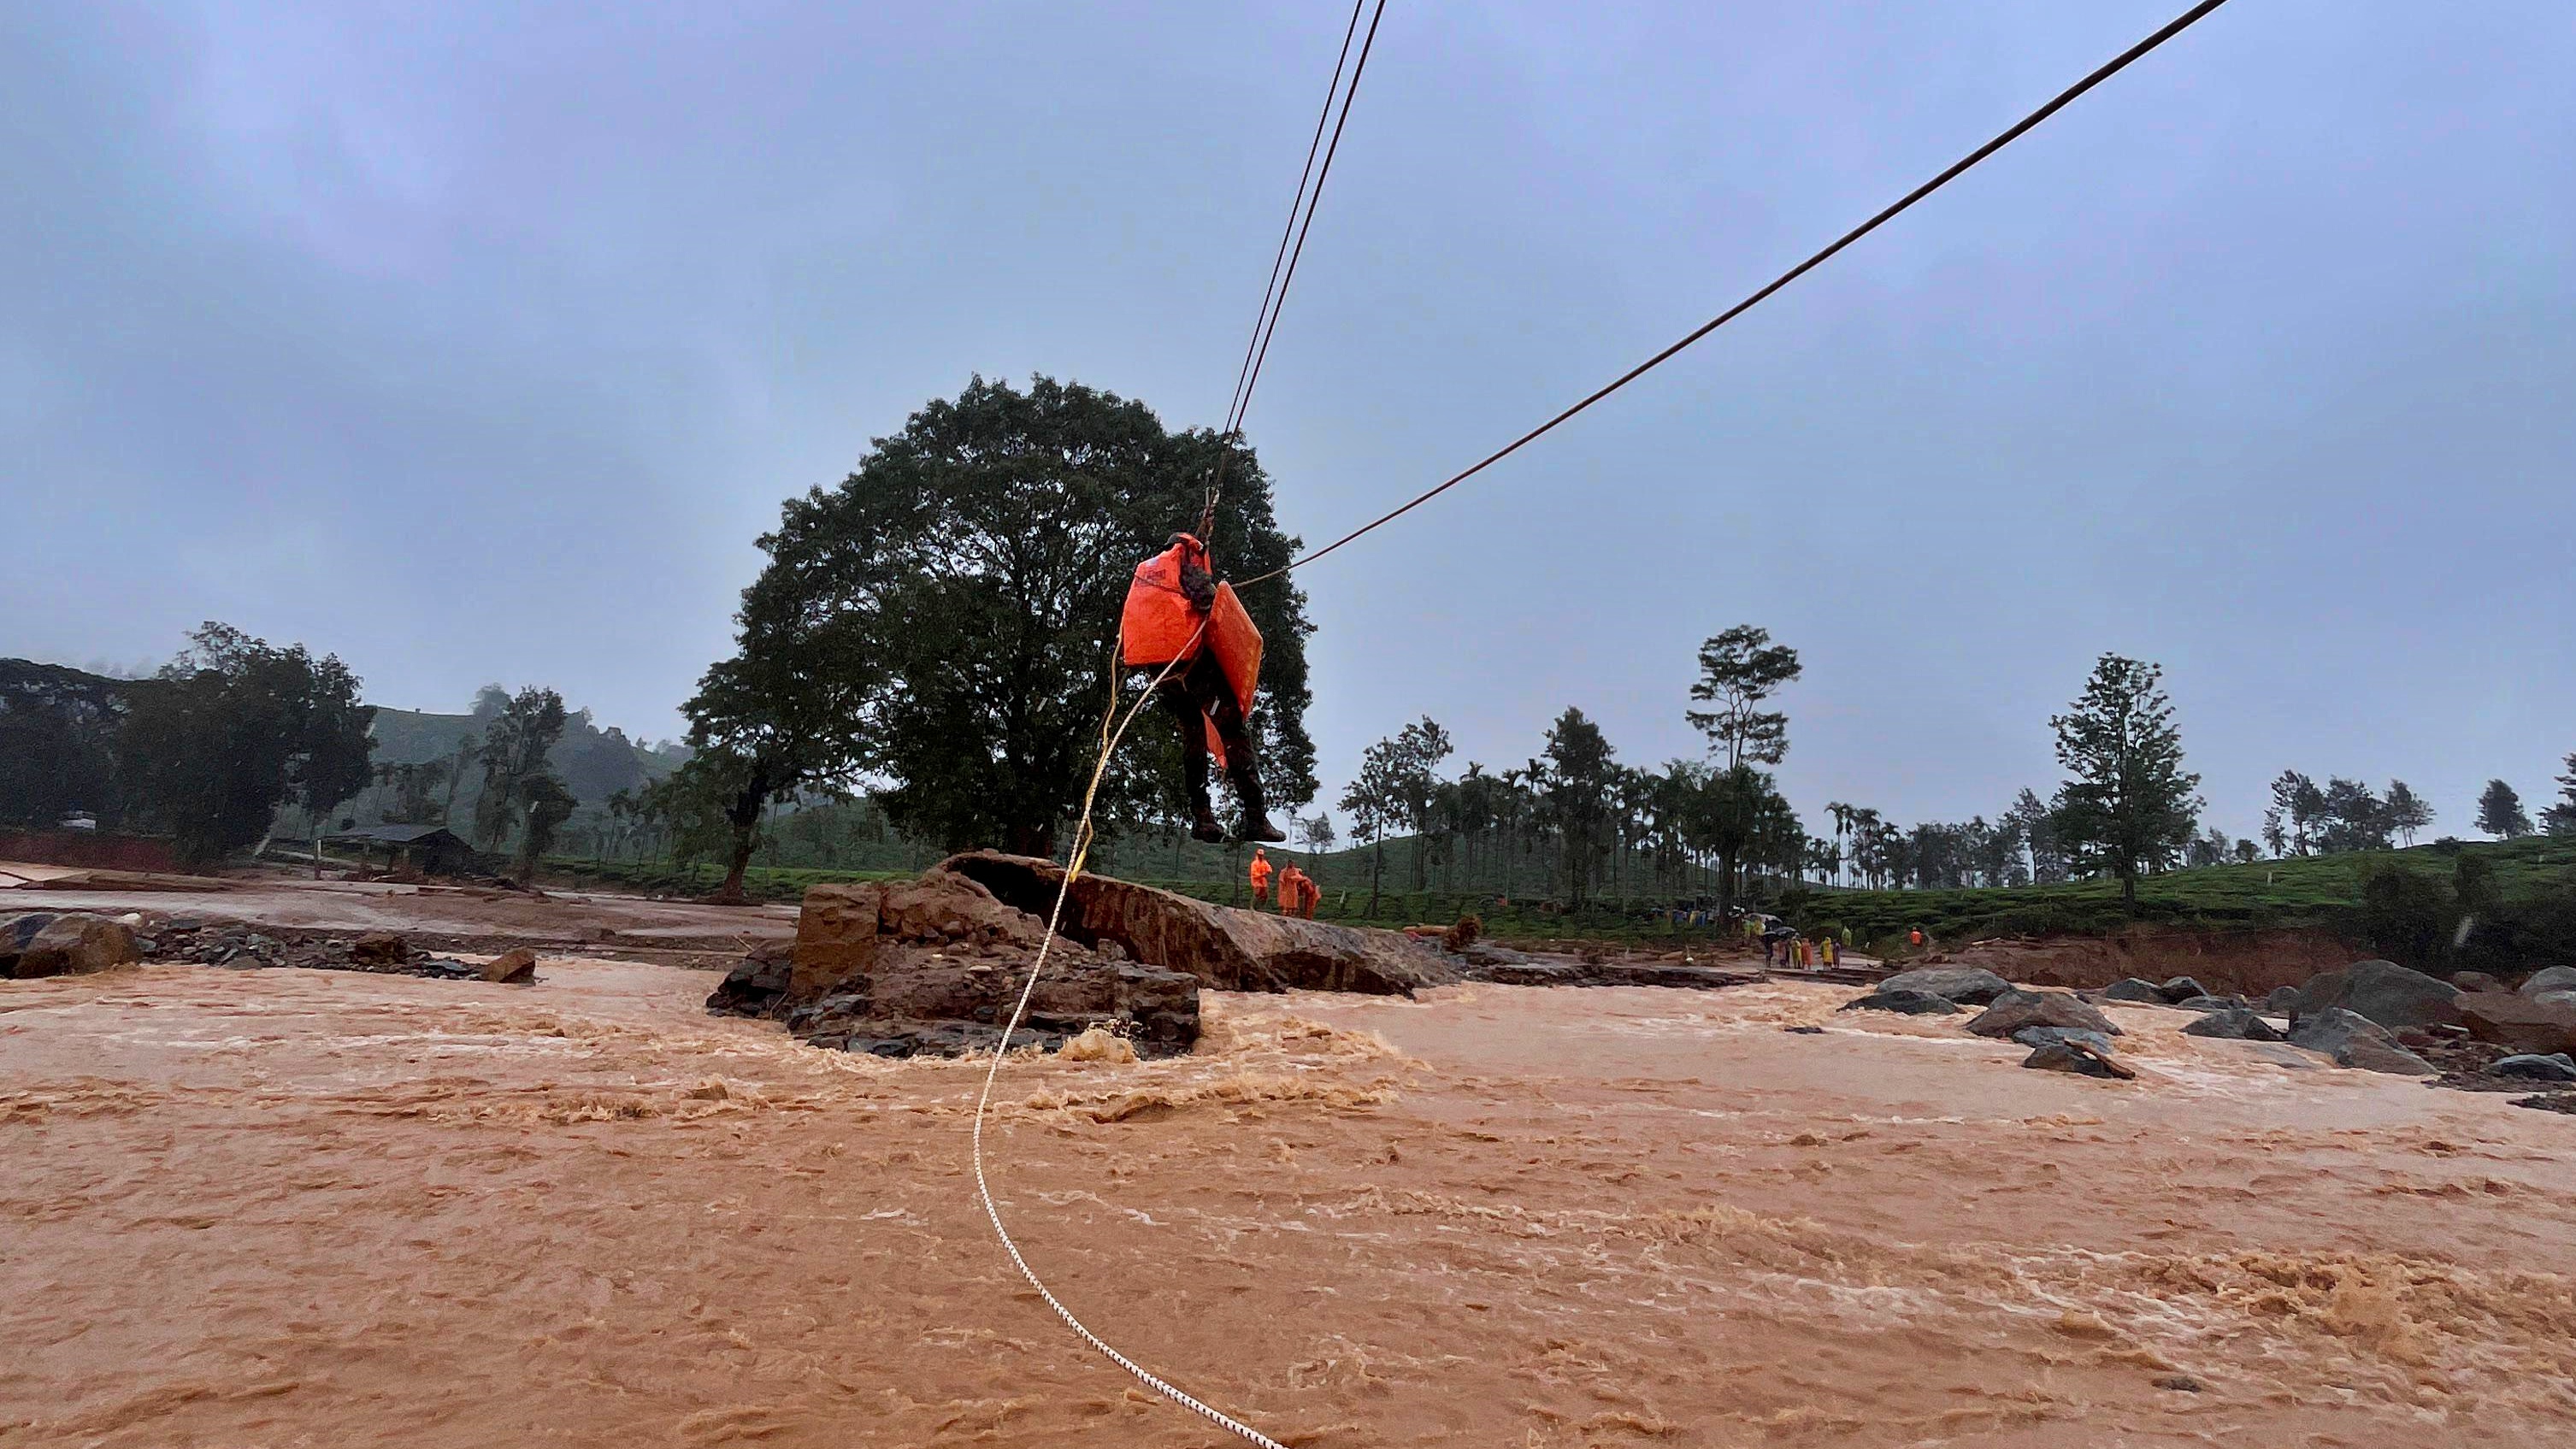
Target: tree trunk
1377 872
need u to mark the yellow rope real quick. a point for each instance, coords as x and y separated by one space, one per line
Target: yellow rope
1078 852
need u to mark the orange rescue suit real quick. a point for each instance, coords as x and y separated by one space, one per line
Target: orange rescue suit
1161 626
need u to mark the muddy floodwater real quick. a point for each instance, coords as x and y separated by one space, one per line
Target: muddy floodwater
286 1208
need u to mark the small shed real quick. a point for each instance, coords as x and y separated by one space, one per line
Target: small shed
429 849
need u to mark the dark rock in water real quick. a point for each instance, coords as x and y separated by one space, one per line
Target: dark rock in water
1486 953
2180 1383
2015 1010
1965 985
2549 1102
2396 1061
2385 992
1804 1030
2179 989
2354 1040
2283 1001
2079 1058
2524 1023
2555 1067
2550 978
2213 1003
1910 1003
758 984
2330 1030
2036 1036
2234 1024
2476 981
2130 988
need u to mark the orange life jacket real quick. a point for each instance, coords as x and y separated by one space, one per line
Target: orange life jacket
1159 627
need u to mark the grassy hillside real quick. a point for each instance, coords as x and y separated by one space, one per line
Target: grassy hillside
2519 898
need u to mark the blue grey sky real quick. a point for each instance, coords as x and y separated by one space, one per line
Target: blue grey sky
478 342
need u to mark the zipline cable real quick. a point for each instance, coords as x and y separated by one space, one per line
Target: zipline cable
1296 205
1113 725
1301 217
2111 68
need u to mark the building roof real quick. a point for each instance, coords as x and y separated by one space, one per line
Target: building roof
395 834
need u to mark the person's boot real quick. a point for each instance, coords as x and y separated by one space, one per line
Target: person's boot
1203 824
1256 815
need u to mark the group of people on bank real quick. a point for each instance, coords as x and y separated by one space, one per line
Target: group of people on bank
1297 891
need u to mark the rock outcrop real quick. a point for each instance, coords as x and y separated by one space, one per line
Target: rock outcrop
2387 993
2235 1023
1964 985
1227 949
44 944
934 965
2354 1040
2524 1023
2016 1010
2549 978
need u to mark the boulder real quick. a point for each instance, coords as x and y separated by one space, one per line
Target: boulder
2550 978
2130 988
2354 1040
2397 1061
2234 1024
757 985
2080 1058
2385 992
2476 981
2524 1023
515 967
2557 998
1964 985
2015 1010
2555 1067
2038 1036
378 950
2179 989
1909 1003
64 945
2212 1003
1224 948
2330 1030
2283 1001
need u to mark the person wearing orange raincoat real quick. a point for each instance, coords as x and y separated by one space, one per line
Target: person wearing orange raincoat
1178 614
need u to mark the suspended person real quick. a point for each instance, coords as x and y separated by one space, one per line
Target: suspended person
1177 614
1260 873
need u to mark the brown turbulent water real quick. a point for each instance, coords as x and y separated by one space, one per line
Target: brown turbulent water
285 1208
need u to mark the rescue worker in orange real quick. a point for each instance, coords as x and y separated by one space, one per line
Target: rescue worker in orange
1260 873
1177 611
1297 893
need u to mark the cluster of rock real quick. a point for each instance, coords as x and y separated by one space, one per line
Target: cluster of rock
240 946
2064 1032
45 943
2372 1015
1503 966
933 966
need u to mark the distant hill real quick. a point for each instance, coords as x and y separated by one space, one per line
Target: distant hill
595 763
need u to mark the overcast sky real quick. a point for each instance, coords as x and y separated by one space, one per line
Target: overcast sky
476 343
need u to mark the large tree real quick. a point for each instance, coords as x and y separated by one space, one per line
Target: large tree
2500 811
2408 812
1739 670
2130 806
2560 818
1576 789
234 728
522 731
941 623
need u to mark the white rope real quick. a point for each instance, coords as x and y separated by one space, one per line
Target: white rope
1075 855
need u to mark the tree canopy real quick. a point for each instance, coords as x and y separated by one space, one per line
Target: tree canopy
2131 805
1738 670
942 622
233 728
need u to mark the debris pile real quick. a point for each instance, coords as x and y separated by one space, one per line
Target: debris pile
242 946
